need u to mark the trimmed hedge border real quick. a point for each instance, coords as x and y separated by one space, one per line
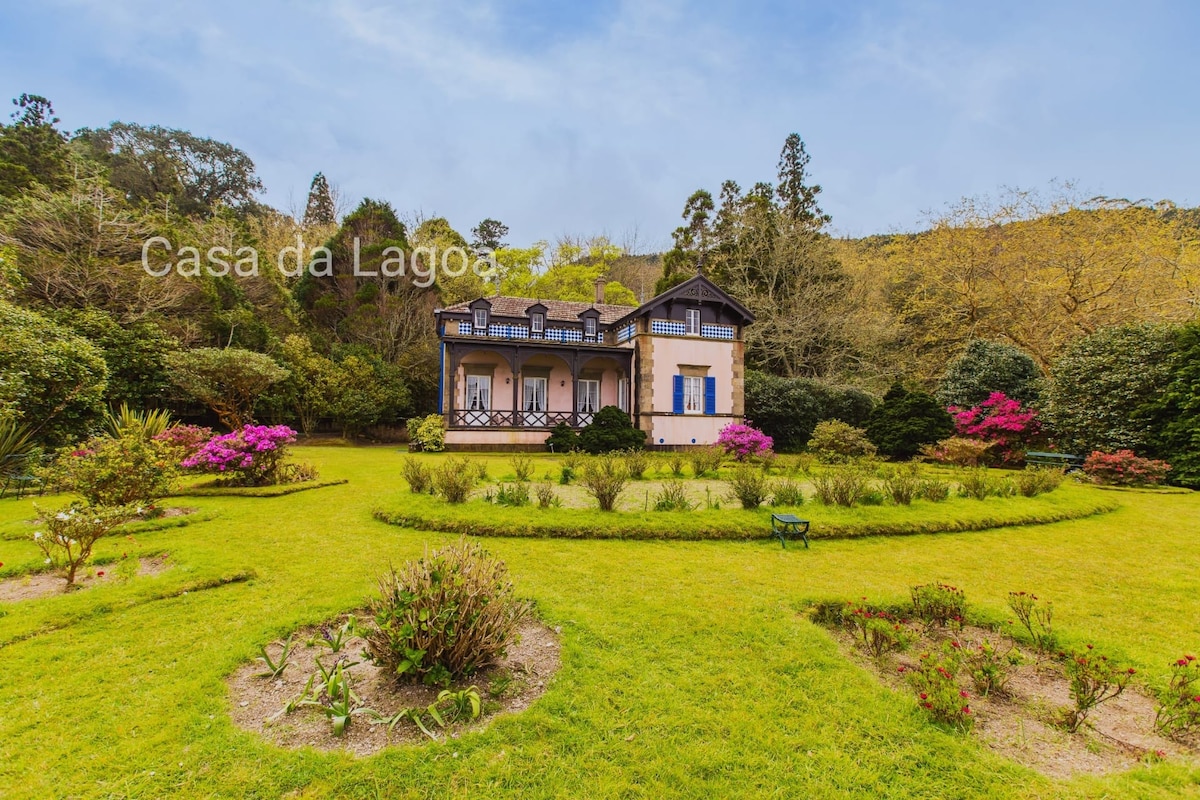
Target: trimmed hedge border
204 490
477 518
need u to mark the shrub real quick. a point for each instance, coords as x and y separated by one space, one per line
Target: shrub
1001 421
786 492
705 460
514 495
906 420
935 682
67 536
427 434
879 632
444 616
836 442
902 484
546 497
938 603
978 483
185 440
636 463
957 450
1178 708
126 421
675 462
986 367
418 475
1174 413
229 380
569 469
847 486
783 408
748 485
744 442
454 479
251 456
562 439
478 468
934 490
991 667
1124 468
672 496
1036 617
117 472
1038 480
522 467
610 429
604 478
1094 680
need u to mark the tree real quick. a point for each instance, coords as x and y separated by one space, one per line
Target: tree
53 380
687 257
319 210
310 389
1175 413
798 198
985 368
1102 386
191 175
489 235
445 251
905 420
367 392
32 149
228 380
135 354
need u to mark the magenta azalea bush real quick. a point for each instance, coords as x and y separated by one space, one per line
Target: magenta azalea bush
252 456
744 441
185 439
1000 420
1125 468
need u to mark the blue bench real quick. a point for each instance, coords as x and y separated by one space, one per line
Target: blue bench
783 525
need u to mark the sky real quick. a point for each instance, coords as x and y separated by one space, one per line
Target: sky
573 118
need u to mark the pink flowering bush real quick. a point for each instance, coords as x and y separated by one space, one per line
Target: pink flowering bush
252 456
1000 420
1124 468
744 441
186 440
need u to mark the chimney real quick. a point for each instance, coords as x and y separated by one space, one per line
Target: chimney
600 282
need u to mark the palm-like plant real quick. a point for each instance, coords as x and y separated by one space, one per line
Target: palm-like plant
149 423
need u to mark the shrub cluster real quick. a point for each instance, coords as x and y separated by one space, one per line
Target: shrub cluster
847 486
610 429
427 434
604 477
1179 704
705 460
251 456
1094 680
672 496
935 682
744 442
786 492
1124 468
835 442
118 471
1038 480
958 451
454 479
938 603
749 486
417 474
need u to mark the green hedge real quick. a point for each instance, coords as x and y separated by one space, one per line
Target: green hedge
479 518
209 490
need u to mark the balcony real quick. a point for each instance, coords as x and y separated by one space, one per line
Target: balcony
503 418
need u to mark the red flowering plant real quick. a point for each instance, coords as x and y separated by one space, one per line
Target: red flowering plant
1125 468
1001 420
1179 704
880 632
1094 680
745 442
252 456
185 440
934 680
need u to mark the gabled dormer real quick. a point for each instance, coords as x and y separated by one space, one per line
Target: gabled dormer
590 318
481 313
537 319
696 307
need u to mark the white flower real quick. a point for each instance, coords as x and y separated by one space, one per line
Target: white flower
140 511
37 534
62 516
47 561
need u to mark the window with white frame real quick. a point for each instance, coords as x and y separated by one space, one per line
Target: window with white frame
589 326
693 395
481 318
623 394
589 396
479 392
693 322
536 321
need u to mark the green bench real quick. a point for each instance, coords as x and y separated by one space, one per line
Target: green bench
1065 460
783 525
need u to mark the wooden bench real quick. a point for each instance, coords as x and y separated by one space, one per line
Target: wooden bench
1065 460
785 524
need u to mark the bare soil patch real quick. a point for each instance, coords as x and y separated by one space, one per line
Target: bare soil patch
45 584
508 687
1023 723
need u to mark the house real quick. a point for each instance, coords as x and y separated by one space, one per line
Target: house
512 368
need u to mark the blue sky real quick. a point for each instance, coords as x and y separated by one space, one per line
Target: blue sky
574 118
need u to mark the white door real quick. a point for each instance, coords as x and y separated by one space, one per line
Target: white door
535 402
589 400
479 399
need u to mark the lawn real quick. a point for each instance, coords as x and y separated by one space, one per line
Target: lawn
688 671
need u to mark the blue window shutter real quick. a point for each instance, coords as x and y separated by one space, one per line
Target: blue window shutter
678 397
710 395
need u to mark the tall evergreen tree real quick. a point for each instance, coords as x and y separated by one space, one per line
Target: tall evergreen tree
691 242
798 198
32 149
319 209
489 235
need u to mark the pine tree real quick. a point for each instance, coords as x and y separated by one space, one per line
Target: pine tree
319 209
797 199
489 235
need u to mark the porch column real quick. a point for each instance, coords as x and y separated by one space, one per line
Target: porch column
452 362
514 366
575 390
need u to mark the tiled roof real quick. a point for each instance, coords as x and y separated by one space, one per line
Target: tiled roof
559 310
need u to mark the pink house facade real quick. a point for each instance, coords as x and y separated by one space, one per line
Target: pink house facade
513 368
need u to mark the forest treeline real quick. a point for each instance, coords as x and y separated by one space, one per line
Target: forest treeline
86 328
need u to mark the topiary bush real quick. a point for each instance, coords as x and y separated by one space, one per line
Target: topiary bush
905 421
610 429
444 616
836 442
427 434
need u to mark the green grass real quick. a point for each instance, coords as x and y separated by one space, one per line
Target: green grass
688 671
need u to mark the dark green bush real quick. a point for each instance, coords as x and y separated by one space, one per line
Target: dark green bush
783 408
611 429
444 616
986 367
906 420
562 439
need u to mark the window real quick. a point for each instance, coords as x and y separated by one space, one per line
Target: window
623 395
589 396
535 394
693 322
535 322
589 327
693 395
481 318
479 392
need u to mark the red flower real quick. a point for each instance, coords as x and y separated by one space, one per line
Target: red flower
1132 671
1183 662
100 574
1190 658
924 696
963 694
966 709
